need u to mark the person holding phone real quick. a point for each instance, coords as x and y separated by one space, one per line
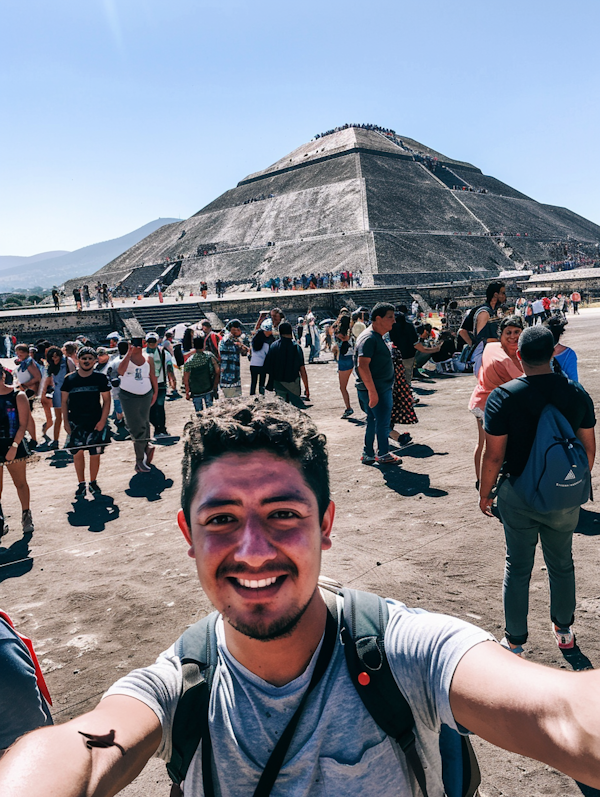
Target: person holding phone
138 391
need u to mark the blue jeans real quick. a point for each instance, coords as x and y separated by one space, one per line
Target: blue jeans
522 527
202 400
379 420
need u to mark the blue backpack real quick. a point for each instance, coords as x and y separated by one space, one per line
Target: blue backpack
557 475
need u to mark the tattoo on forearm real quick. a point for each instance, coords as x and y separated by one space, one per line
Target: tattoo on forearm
94 740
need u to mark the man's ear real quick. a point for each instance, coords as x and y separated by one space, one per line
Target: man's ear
185 530
326 526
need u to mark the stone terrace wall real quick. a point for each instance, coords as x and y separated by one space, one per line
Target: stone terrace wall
59 327
414 256
477 179
526 216
404 197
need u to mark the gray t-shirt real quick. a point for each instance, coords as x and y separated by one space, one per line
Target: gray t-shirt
337 747
371 344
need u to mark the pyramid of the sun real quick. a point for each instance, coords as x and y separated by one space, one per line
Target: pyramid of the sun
357 199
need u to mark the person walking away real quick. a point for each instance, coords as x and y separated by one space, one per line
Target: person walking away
230 348
575 301
314 337
513 420
284 365
59 365
201 375
374 383
85 408
85 294
358 325
162 359
77 298
56 299
345 342
261 343
404 336
485 321
499 364
403 411
539 313
14 452
564 356
138 391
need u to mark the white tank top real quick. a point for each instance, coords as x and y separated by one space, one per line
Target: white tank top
136 379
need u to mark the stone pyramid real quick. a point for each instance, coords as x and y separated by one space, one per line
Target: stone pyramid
362 200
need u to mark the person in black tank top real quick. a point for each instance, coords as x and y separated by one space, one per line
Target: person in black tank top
15 416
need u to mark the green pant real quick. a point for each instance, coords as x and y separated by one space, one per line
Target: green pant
137 419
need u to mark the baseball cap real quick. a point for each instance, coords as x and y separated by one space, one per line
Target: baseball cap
151 336
101 350
113 335
267 325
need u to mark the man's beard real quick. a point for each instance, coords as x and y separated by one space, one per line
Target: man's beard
267 632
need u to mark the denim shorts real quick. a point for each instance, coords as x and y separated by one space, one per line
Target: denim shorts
346 363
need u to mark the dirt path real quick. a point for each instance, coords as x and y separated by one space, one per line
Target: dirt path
104 587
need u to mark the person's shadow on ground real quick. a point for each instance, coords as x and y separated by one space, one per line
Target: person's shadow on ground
94 514
589 523
420 451
406 483
588 791
60 458
171 440
15 560
149 485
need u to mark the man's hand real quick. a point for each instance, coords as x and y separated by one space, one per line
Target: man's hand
373 398
188 395
307 393
485 504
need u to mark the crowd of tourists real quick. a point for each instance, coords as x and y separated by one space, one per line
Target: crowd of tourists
385 130
286 683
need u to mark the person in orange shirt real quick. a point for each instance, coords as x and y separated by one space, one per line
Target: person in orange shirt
499 364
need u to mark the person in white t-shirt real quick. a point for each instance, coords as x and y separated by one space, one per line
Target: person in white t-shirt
257 516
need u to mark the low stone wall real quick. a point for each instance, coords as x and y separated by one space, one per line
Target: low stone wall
59 327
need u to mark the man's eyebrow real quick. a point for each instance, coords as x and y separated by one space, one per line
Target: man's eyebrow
277 499
212 503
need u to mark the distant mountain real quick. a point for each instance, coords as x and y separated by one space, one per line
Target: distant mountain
53 268
8 261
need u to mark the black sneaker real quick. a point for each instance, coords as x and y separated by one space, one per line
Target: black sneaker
94 488
53 446
80 491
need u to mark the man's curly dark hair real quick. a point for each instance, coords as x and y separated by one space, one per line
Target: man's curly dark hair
245 425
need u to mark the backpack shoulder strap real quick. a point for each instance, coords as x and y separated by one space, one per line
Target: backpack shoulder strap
197 650
364 622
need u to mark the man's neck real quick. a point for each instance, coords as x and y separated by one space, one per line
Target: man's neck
536 370
81 372
281 660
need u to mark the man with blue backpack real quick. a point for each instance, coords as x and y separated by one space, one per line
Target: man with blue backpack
294 686
540 434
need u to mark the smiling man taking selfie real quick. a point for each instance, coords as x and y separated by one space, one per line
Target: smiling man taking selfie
280 709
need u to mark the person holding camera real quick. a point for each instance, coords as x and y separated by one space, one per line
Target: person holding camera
85 407
138 391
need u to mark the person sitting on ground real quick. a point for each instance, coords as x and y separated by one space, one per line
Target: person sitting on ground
201 375
499 365
425 347
284 365
85 408
563 355
257 516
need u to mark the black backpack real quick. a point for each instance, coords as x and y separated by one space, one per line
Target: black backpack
364 620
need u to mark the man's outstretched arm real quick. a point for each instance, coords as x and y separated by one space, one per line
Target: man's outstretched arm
546 714
56 762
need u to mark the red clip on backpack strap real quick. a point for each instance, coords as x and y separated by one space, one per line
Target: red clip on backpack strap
38 670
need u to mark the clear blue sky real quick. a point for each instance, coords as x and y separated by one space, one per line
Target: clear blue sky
116 112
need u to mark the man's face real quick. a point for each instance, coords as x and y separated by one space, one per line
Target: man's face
275 318
87 362
500 296
103 359
257 540
236 331
386 322
151 344
22 354
206 328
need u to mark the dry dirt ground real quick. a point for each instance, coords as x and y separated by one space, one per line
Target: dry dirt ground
104 586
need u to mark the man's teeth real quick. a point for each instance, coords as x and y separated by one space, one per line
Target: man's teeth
263 582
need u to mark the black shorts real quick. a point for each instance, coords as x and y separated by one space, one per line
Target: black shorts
22 451
82 439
